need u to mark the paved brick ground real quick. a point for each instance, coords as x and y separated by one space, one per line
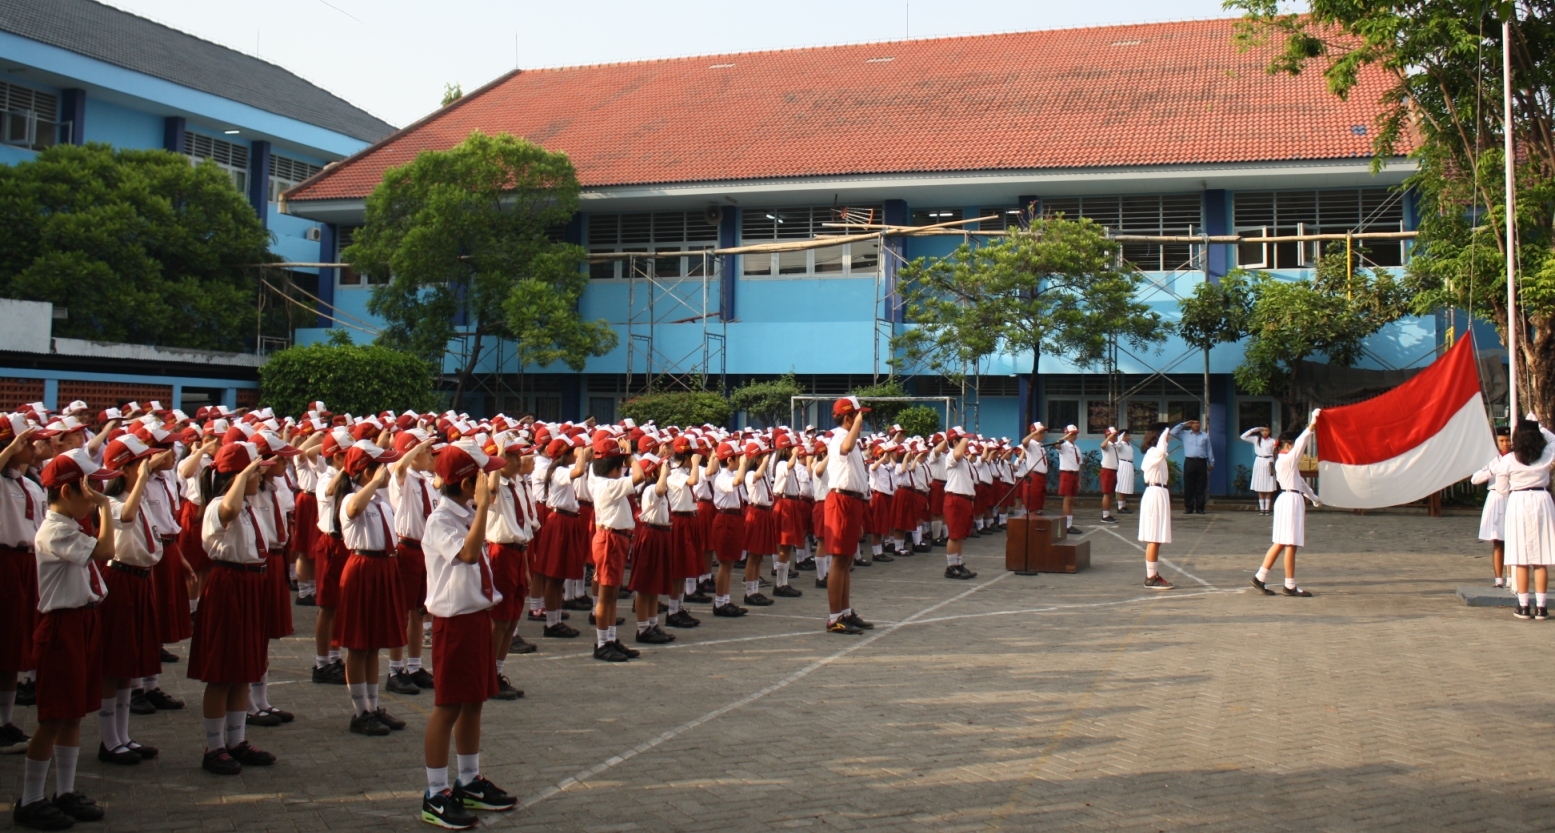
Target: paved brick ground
1004 703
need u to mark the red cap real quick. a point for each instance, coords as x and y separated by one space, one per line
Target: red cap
848 405
70 466
682 444
725 451
556 447
608 447
365 431
360 456
124 451
459 462
235 457
406 440
331 445
270 444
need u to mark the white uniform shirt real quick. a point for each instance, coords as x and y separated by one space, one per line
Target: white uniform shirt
454 588
412 501
1068 456
1036 456
784 483
160 500
1109 455
959 479
67 578
560 495
757 490
681 497
1154 467
1287 468
655 507
372 528
1518 476
612 504
189 487
821 486
537 479
236 541
507 520
1125 452
726 494
326 475
271 506
135 542
845 471
23 504
882 479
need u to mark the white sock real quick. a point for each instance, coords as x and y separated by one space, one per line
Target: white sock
535 603
1002 517
653 621
320 661
372 696
469 768
1122 504
1068 520
1539 599
437 779
1499 582
65 758
1152 569
412 665
877 548
936 529
121 716
259 694
720 601
822 567
601 636
34 773
214 727
1106 514
1290 584
643 625
501 663
752 587
334 654
1263 573
236 728
782 573
1523 599
553 617
917 536
358 697
611 631
691 587
950 559
7 707
396 666
194 604
149 683
108 724
674 604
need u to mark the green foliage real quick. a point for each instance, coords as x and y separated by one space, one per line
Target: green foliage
468 230
139 245
769 403
882 415
682 408
349 378
919 420
452 93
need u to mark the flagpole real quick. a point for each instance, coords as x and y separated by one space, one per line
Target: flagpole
1513 414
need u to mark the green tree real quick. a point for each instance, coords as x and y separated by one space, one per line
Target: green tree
1439 64
769 403
1058 286
464 234
349 378
681 408
452 93
138 245
882 414
919 420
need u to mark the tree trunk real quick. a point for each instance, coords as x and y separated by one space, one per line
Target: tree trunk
1031 390
468 371
1536 367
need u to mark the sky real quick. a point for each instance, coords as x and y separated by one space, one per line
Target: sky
392 58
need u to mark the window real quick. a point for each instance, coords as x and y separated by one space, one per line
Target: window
232 158
659 232
1008 218
287 173
344 237
1142 413
771 225
1165 214
31 118
1285 213
602 409
1182 410
1099 416
1256 413
1062 412
935 216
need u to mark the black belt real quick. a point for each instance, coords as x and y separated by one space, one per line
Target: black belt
939 480
335 535
759 508
691 514
658 527
247 568
565 512
281 551
790 497
374 553
167 539
1155 485
24 550
731 512
585 503
849 493
624 533
1533 489
1294 491
138 572
410 542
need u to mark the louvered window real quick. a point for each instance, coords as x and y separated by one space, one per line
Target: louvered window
1156 215
657 232
31 118
287 173
229 156
771 225
1287 213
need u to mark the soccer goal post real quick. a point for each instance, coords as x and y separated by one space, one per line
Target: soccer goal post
811 410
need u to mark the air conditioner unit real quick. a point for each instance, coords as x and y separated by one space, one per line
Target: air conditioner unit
315 234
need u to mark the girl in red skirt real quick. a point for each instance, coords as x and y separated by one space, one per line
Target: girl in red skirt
728 539
369 617
132 646
820 487
791 519
329 553
305 514
877 518
23 504
191 516
229 646
653 550
273 506
700 591
172 572
563 544
761 533
688 551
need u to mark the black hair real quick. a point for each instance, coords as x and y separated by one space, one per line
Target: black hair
1528 442
456 490
1289 435
57 493
214 483
115 487
608 466
1153 434
681 458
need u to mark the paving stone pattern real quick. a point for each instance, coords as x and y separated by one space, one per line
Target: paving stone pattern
1054 702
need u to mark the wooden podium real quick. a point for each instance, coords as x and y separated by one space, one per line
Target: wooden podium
1038 544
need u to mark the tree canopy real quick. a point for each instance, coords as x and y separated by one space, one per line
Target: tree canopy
684 408
770 403
138 245
464 242
349 378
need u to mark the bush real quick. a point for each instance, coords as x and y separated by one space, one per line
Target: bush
679 408
348 378
770 403
883 415
919 420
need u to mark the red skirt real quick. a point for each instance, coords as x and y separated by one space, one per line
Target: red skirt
413 575
654 566
706 512
191 520
562 547
728 536
369 616
761 530
877 520
1068 483
936 497
332 553
132 646
844 523
687 552
906 506
1036 491
958 516
464 663
229 643
818 522
980 498
278 598
510 575
609 549
1003 494
70 663
792 521
18 608
305 524
173 622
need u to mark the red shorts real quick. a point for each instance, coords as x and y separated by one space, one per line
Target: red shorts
610 547
761 533
191 519
1036 491
818 522
958 516
907 510
937 497
844 523
19 608
510 575
305 524
464 663
728 536
706 512
793 522
653 560
229 629
413 574
132 647
329 563
369 615
173 622
278 598
70 664
1068 483
1109 481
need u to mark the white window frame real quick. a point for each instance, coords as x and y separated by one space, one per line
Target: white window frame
773 258
289 166
239 174
620 269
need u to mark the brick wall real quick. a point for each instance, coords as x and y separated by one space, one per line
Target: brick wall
101 395
15 392
248 397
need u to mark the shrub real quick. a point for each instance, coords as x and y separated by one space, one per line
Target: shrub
919 420
770 403
681 408
348 378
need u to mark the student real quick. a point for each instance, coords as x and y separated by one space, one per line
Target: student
760 528
273 505
612 484
1125 487
1155 507
1109 474
728 537
960 496
1492 519
792 518
1036 469
701 592
882 494
845 506
410 496
1530 515
172 571
508 533
689 553
460 594
564 539
936 470
1263 482
369 617
1069 475
1290 510
305 514
23 506
653 548
329 556
820 487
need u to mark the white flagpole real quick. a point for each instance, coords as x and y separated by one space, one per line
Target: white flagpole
1513 414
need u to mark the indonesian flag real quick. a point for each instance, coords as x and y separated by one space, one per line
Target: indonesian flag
1416 439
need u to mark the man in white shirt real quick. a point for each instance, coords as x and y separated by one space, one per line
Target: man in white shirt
845 506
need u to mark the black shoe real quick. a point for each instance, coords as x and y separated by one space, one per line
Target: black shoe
168 656
139 704
740 565
624 593
707 588
1298 592
145 752
123 756
787 591
248 754
841 626
394 723
654 636
505 689
965 573
367 723
284 715
973 533
1108 519
619 621
264 718
860 561
1540 613
27 693
1125 511
698 598
1155 582
445 811
663 608
291 584
520 645
13 741
807 566
883 558
218 762
820 584
681 619
78 807
580 603
757 600
163 701
1261 586
608 653
728 610
422 678
401 683
331 674
956 571
534 616
560 630
856 621
1523 612
631 653
41 815
310 600
481 794
1073 530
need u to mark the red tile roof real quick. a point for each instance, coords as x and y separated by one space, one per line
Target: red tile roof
1148 94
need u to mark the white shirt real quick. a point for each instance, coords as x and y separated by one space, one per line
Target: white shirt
16 528
882 480
537 479
1068 456
160 500
655 507
821 486
1036 456
784 482
326 475
66 575
958 476
681 498
235 541
1125 452
507 520
454 588
726 493
412 501
1518 476
612 504
560 495
1261 447
266 504
131 544
845 471
190 486
372 528
1109 455
1287 468
1497 479
756 489
1154 467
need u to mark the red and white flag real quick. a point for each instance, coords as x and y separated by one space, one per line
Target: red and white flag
1418 438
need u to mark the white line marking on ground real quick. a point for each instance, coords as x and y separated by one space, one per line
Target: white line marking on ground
1165 561
677 644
